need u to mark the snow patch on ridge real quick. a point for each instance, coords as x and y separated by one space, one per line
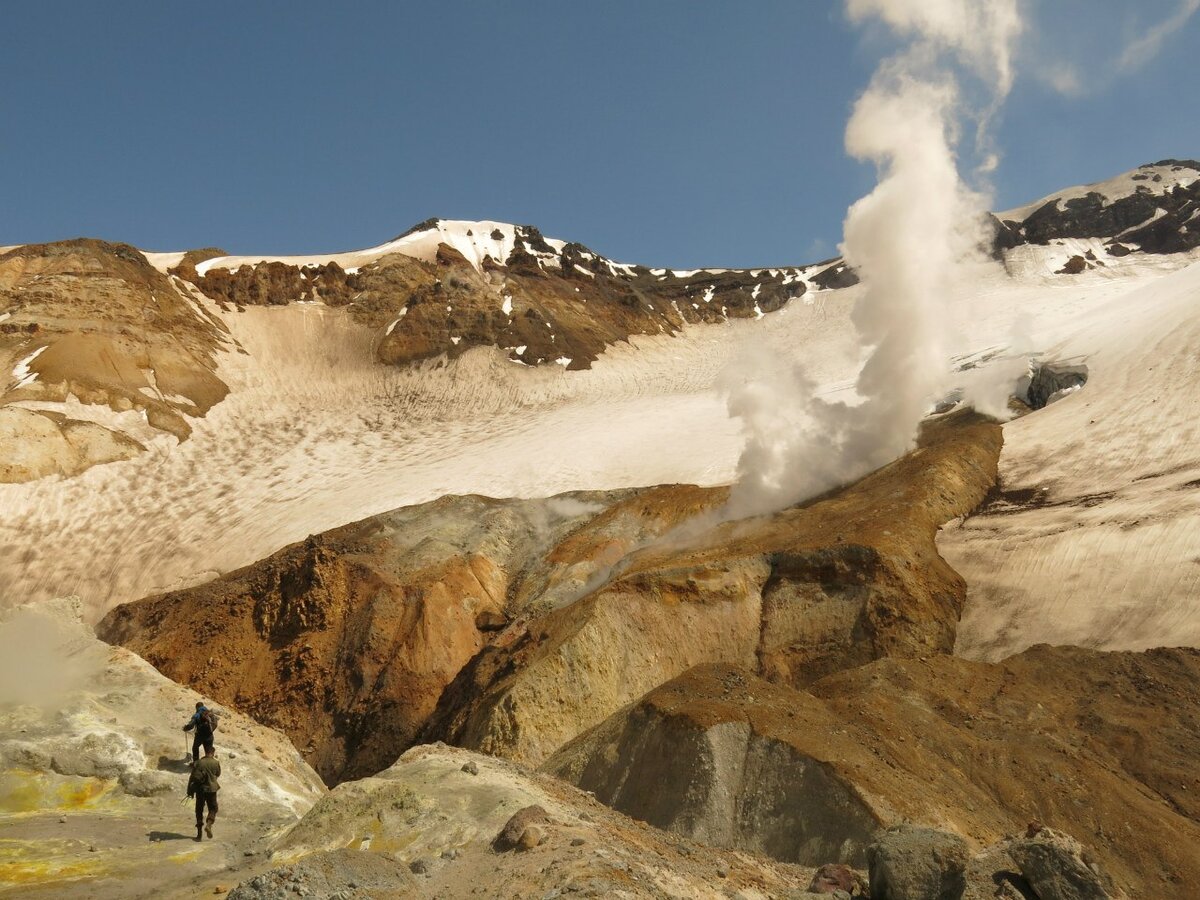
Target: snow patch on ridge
23 373
396 321
1140 179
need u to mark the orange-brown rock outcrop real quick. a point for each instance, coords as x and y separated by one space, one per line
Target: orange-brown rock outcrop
847 578
531 621
346 640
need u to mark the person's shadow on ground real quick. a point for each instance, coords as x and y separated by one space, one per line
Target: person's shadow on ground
168 836
179 766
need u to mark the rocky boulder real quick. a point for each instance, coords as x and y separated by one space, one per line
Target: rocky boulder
908 861
524 831
1057 867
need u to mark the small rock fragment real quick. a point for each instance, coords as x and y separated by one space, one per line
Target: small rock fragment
834 877
514 829
531 837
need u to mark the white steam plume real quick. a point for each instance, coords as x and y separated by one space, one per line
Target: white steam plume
907 239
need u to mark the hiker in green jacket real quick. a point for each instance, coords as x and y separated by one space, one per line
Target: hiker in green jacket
203 785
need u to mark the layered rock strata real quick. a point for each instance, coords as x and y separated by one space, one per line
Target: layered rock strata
95 322
346 640
847 578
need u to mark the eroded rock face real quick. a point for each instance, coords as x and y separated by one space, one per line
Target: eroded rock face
36 443
1052 734
572 306
846 579
713 755
96 322
545 303
276 284
345 641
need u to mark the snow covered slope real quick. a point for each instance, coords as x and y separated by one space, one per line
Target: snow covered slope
1095 538
477 241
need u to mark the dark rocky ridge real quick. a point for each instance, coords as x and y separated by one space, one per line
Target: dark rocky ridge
569 304
565 305
1129 218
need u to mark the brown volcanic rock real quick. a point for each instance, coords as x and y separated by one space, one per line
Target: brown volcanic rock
186 269
571 309
109 329
843 580
345 641
1098 745
276 284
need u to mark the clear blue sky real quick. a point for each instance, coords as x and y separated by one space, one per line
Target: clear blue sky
669 132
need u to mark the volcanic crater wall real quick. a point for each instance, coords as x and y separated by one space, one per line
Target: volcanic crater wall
512 626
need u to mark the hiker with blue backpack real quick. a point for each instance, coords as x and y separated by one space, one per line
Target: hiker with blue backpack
204 721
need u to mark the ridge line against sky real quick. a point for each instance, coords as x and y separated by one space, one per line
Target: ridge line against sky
675 133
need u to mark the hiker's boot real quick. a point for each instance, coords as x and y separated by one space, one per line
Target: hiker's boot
208 829
199 829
